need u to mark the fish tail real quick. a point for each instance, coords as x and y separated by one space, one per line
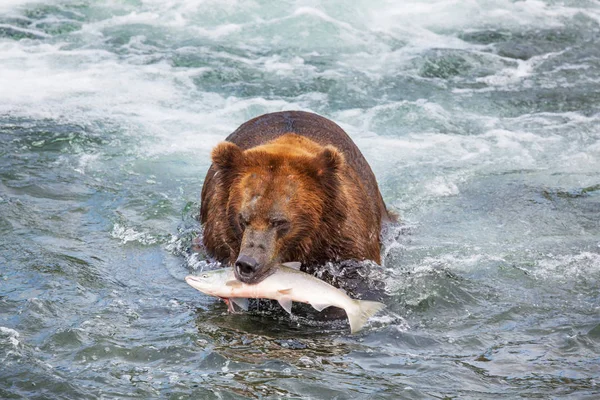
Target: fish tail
362 311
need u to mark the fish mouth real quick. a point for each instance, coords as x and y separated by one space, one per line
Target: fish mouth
195 282
191 278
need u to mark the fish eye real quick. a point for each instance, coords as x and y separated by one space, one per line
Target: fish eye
205 276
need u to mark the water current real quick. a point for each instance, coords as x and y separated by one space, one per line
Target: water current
481 120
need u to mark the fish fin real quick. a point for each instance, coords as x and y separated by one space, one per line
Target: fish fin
230 308
362 311
293 264
233 283
320 307
285 291
241 302
286 303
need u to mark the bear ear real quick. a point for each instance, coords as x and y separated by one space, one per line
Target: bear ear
227 155
330 160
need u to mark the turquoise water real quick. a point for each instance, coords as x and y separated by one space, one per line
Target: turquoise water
480 119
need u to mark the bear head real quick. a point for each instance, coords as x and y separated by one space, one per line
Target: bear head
281 203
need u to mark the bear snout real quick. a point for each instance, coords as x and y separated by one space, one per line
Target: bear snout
256 255
246 267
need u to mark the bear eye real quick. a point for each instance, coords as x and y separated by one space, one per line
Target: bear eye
279 223
243 221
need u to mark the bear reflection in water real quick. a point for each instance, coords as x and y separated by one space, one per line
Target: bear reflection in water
292 186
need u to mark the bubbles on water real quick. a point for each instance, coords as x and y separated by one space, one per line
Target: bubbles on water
225 368
388 320
126 235
10 336
582 267
441 187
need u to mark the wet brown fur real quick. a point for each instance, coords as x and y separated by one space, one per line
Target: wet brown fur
298 168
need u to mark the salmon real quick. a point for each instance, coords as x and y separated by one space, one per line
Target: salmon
286 284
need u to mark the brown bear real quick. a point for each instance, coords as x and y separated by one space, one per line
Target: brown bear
290 186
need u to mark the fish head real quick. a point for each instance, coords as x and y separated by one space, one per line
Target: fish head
210 282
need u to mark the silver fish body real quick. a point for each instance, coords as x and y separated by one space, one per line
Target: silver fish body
285 285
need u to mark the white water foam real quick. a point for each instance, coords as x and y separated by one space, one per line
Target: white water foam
10 336
455 14
126 235
47 80
584 266
11 5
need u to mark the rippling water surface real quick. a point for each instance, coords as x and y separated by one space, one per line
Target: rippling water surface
481 120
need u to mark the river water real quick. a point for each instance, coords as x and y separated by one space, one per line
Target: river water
481 120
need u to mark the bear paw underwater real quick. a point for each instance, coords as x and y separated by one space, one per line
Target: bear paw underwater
290 186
